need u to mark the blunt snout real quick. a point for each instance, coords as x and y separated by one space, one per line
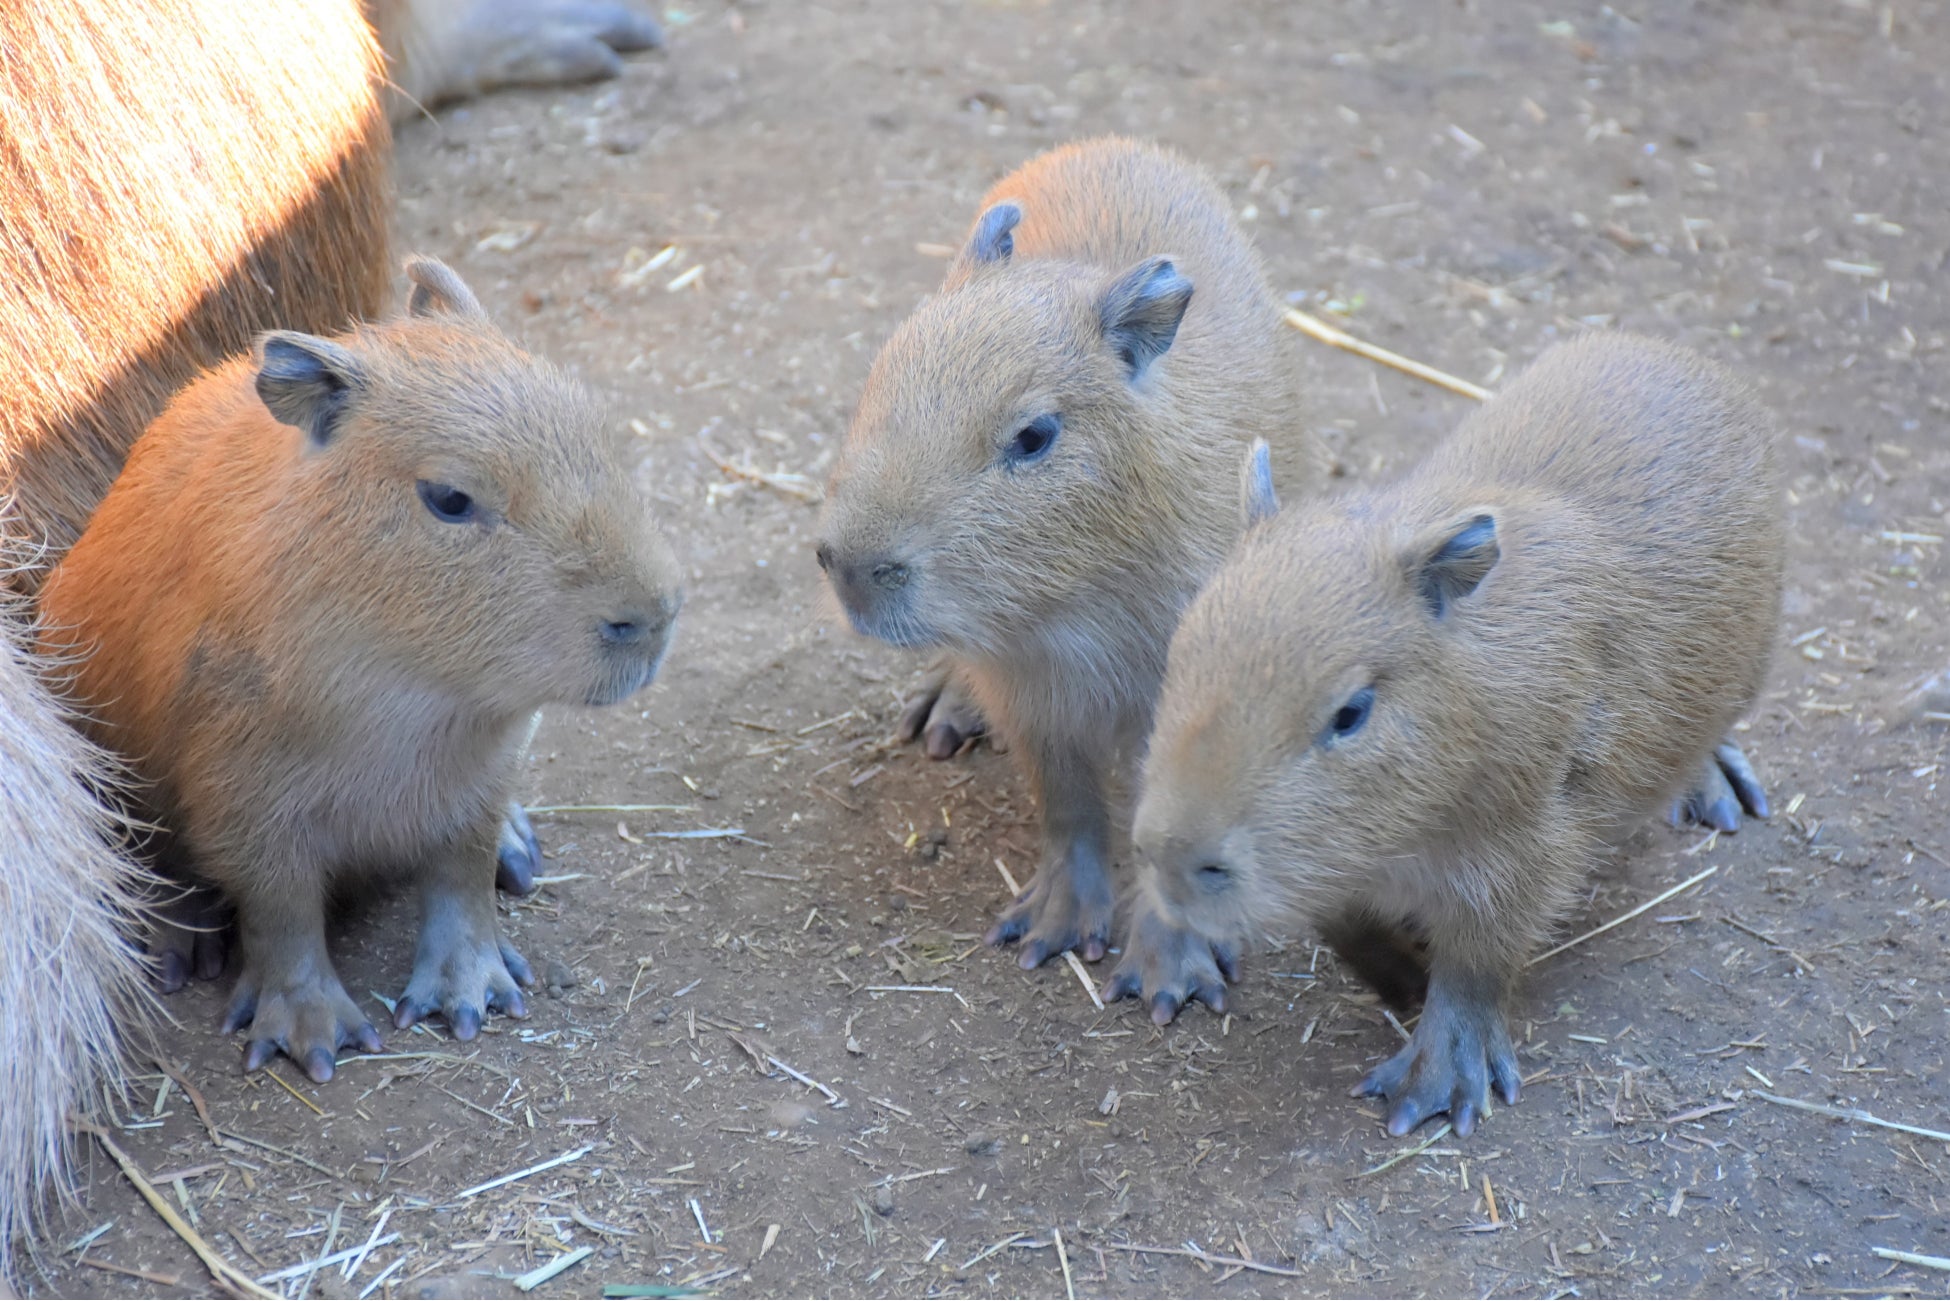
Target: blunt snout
875 587
640 626
1191 860
878 573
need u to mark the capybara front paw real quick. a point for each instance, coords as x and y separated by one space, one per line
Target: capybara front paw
1727 784
517 854
463 977
942 716
307 1016
189 937
1054 914
1167 966
1449 1066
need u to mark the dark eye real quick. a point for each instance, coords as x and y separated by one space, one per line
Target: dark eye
448 503
1033 441
1353 716
1214 876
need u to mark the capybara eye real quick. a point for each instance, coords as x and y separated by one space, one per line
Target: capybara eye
1033 441
448 503
1353 716
1214 876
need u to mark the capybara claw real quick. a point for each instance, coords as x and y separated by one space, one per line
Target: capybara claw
1169 967
463 976
1727 784
517 854
942 716
309 1019
1450 1065
1055 915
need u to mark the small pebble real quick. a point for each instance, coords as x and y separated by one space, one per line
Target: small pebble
883 1200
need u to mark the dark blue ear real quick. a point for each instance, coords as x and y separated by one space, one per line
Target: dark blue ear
305 381
1461 561
1141 312
994 239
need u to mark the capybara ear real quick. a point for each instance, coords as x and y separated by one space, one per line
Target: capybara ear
305 381
994 238
1141 311
1258 501
436 289
1458 559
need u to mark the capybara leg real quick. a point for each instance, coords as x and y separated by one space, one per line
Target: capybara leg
462 969
1727 784
1459 1050
1387 958
1168 965
189 937
1069 904
517 854
555 42
943 714
288 994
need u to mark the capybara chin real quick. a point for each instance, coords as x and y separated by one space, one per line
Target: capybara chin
316 614
1042 472
1407 715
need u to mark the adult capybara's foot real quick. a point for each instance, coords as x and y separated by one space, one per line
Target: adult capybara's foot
517 854
190 937
1168 966
463 972
1062 909
1456 1055
554 42
942 715
302 1012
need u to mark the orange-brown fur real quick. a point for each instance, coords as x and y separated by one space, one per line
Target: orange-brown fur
1595 640
315 674
1053 586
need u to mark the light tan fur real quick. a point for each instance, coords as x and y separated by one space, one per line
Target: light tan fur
1053 586
1583 666
317 612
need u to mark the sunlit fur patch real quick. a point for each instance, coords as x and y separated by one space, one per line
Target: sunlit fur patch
178 175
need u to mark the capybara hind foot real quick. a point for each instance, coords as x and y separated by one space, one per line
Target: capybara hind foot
517 854
1460 1048
1168 966
1065 907
189 938
463 971
1727 784
942 715
300 1010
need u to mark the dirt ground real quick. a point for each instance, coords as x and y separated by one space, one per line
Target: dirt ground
1463 182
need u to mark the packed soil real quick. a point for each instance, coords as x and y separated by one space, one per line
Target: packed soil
1461 182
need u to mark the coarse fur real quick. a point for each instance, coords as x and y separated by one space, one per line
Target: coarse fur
1043 468
317 612
1407 714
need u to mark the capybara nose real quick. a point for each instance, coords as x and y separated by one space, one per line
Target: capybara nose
824 555
628 631
890 574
